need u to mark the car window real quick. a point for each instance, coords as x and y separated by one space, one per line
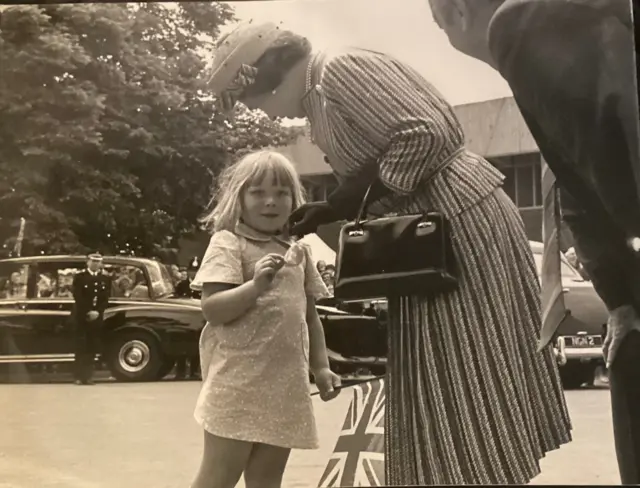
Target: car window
55 280
127 281
46 284
160 279
13 281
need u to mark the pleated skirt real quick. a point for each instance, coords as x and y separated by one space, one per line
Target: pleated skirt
469 400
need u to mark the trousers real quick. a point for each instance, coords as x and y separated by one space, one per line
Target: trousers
87 346
624 383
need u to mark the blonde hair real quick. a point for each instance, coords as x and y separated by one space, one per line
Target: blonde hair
225 207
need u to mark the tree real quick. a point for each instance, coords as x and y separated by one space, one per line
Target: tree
107 141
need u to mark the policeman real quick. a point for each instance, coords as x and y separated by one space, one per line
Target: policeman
192 269
91 291
183 289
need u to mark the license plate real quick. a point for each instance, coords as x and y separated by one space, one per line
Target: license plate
585 341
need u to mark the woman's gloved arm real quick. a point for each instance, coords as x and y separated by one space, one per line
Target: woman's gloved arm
342 204
346 200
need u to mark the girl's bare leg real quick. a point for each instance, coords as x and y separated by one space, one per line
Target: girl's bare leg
266 466
223 461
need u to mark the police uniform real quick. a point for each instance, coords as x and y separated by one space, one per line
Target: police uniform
183 289
91 291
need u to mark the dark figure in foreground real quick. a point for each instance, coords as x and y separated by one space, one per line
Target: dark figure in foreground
91 290
571 67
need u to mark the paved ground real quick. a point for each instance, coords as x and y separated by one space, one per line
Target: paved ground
143 435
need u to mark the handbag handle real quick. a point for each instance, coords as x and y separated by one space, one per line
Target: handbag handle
358 230
362 211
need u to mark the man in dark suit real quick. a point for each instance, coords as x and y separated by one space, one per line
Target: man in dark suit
571 67
91 291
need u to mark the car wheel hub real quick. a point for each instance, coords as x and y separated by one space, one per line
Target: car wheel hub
134 356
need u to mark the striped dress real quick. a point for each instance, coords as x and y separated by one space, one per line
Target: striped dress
469 400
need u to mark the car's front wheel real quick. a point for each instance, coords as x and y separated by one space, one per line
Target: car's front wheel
134 356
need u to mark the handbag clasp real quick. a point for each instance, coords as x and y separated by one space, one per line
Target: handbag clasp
424 228
356 233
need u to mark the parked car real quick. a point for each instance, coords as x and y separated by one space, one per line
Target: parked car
146 328
581 335
356 344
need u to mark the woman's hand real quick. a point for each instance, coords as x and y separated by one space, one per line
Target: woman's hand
328 383
265 270
306 218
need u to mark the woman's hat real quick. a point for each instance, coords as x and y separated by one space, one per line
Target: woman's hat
242 46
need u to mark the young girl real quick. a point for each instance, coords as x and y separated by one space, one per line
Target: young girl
263 333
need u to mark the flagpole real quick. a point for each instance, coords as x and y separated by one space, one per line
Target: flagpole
17 249
354 383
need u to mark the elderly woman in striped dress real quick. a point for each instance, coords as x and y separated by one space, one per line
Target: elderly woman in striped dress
469 400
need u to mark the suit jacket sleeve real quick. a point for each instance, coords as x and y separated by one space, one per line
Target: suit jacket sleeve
604 255
571 65
568 64
600 245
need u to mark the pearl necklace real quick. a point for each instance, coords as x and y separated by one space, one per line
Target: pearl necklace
309 89
308 74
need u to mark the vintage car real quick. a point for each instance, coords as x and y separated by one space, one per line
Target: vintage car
356 343
146 327
580 336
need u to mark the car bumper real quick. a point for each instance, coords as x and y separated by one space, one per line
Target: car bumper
335 357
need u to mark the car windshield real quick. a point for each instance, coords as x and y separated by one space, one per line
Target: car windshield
160 279
566 270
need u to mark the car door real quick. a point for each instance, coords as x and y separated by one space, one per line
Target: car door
50 309
18 340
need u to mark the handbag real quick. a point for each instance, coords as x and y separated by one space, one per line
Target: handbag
394 256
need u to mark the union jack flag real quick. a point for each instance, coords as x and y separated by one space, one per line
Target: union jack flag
358 458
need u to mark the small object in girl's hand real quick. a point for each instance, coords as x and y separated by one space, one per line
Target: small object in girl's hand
294 255
279 263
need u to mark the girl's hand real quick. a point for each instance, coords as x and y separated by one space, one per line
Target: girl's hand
327 382
265 270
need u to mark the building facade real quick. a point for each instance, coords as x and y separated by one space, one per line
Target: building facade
494 129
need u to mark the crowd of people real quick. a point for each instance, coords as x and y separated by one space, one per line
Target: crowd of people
327 273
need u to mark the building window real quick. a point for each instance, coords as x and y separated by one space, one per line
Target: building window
313 191
318 187
522 178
